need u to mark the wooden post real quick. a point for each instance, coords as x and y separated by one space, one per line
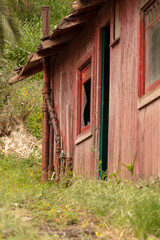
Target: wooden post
46 21
68 159
67 131
51 147
45 91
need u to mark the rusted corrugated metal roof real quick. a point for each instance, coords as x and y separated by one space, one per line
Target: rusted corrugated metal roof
67 29
142 3
81 11
81 5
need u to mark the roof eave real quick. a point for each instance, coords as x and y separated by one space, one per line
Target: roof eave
66 31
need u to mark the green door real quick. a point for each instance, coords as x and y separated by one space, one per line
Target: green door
105 77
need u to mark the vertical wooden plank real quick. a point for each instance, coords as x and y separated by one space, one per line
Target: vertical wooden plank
158 136
60 106
68 131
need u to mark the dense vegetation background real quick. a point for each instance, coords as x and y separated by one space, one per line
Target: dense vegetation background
22 101
88 209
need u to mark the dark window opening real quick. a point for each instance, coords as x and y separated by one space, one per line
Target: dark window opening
86 103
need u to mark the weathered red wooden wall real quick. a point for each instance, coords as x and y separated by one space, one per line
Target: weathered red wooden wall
131 130
65 74
149 140
124 90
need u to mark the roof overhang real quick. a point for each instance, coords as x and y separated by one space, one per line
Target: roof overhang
32 66
67 30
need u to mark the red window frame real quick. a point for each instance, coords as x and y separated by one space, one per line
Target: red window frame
85 76
149 8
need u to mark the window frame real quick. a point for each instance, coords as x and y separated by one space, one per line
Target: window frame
143 89
82 129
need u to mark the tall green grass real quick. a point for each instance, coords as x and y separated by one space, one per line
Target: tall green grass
134 207
125 205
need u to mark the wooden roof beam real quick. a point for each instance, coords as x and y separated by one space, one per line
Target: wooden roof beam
58 41
30 72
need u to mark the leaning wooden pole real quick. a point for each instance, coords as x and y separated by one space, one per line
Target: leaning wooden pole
45 91
51 153
54 123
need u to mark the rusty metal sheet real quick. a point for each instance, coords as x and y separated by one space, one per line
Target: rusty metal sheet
83 4
71 23
143 3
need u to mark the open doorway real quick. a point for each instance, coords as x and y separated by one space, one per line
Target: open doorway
105 79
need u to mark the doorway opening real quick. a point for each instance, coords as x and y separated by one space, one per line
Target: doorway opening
105 80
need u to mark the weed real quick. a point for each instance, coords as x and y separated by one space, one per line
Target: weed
130 167
102 174
115 176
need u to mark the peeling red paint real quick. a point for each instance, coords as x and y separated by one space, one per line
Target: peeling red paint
46 127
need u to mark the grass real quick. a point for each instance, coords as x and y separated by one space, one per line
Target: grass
87 209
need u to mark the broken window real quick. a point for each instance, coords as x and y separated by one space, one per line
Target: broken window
85 97
86 103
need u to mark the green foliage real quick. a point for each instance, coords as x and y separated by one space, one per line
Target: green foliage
22 102
145 217
34 123
115 176
14 102
130 167
22 6
9 28
31 26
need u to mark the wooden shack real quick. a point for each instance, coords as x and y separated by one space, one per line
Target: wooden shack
102 88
